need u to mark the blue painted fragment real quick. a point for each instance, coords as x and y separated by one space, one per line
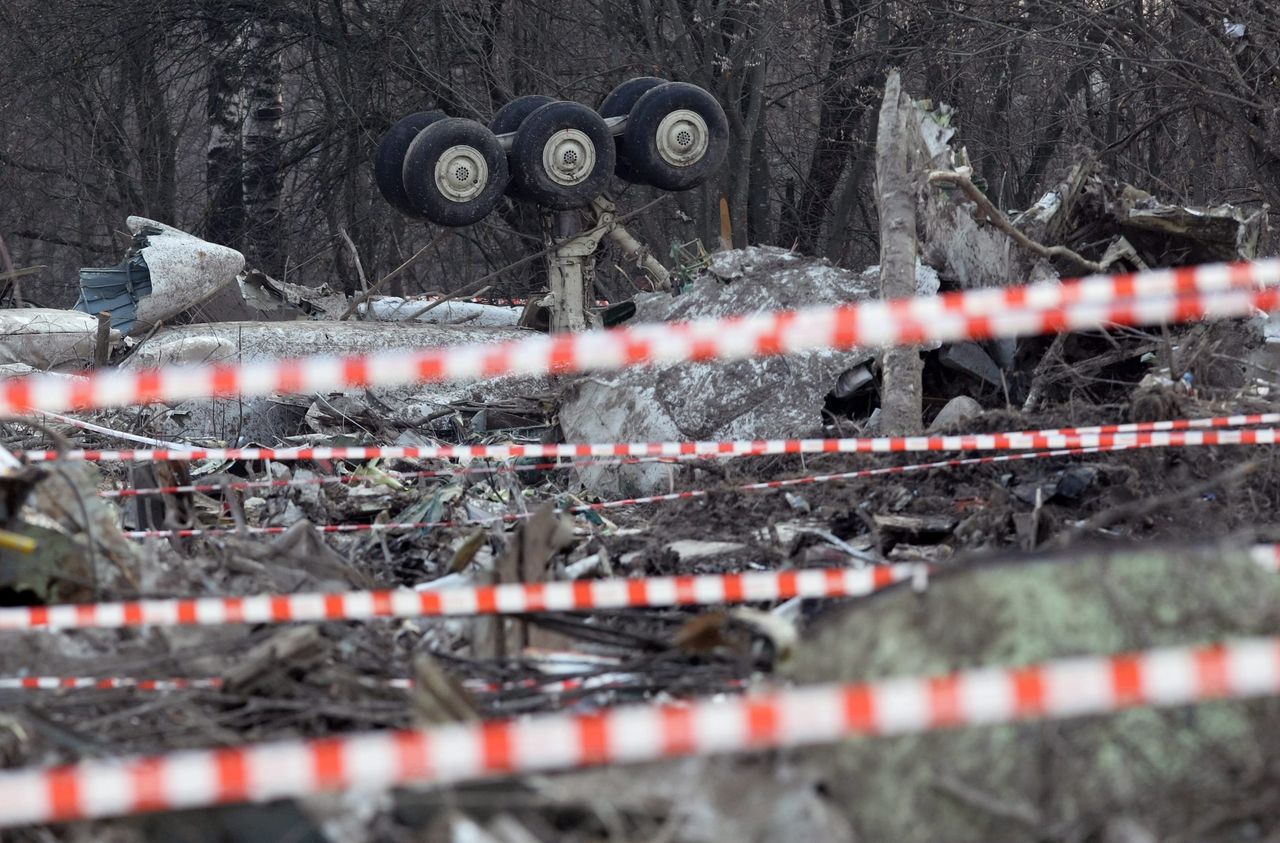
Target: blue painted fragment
115 289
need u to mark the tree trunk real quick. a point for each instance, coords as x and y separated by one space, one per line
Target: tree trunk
749 106
759 219
224 108
1030 180
157 146
897 181
839 231
839 115
263 133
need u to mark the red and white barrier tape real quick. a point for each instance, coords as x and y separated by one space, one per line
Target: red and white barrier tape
770 485
329 529
784 718
1266 555
505 599
598 682
376 527
1155 297
690 494
247 485
1071 437
81 683
501 301
355 478
352 479
568 685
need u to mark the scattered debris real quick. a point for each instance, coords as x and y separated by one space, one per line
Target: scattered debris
165 272
301 648
741 400
956 414
688 550
43 338
969 358
1069 484
264 293
394 309
915 529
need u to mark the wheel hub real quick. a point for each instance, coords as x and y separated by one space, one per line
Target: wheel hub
682 138
569 157
461 173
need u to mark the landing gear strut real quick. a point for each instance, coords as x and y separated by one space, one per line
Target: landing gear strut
571 264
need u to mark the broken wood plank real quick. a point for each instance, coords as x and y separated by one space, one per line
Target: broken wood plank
299 647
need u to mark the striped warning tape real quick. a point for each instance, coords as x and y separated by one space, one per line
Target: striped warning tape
597 682
501 301
374 527
690 494
351 479
782 718
504 599
813 479
568 685
1266 555
1071 437
1239 420
247 485
1155 297
356 478
81 683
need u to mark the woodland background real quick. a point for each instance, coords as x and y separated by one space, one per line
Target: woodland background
254 123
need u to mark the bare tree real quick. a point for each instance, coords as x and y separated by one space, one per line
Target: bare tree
224 116
898 180
263 147
255 123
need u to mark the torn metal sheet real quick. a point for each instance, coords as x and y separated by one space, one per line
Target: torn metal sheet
166 272
970 359
1118 224
225 341
262 292
1222 232
46 338
745 399
396 309
115 290
263 420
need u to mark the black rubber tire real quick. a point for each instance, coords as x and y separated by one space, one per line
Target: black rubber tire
388 161
639 144
508 119
528 173
419 180
511 115
618 103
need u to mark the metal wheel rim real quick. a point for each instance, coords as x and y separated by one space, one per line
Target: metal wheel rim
461 173
568 157
682 137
